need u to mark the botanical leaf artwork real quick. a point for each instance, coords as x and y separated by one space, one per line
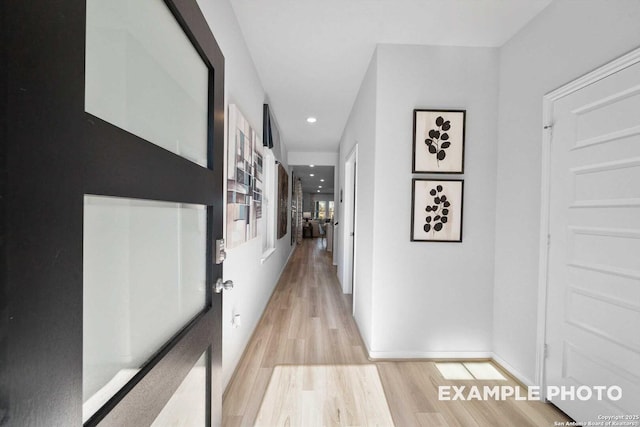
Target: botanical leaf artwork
438 212
438 140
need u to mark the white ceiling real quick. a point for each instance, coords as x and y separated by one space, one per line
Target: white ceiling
311 55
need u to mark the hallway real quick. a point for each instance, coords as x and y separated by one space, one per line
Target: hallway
308 321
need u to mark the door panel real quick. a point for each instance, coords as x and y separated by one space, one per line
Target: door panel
593 310
187 407
140 402
144 279
57 156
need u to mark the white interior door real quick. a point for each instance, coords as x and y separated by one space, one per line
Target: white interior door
593 299
348 256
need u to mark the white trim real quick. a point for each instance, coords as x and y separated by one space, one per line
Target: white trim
600 73
512 371
348 212
601 203
606 166
544 239
350 208
267 254
607 137
548 100
626 233
457 355
607 269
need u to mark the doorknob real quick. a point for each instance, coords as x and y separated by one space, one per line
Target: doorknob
220 285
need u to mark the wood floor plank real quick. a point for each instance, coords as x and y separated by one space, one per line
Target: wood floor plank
430 419
308 322
325 395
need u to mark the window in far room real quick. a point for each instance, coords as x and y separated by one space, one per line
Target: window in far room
321 210
331 210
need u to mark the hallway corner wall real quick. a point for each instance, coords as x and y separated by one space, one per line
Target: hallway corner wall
254 278
360 129
567 40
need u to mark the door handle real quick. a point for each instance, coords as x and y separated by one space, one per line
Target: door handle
227 285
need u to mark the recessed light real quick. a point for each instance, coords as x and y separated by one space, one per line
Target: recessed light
322 180
311 174
319 186
318 191
312 166
311 120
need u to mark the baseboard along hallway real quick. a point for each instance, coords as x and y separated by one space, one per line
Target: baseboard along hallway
306 365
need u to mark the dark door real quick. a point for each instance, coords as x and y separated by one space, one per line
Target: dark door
112 123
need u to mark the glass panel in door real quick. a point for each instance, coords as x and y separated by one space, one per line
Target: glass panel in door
144 75
144 279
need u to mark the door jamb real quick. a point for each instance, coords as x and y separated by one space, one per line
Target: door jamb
548 101
350 210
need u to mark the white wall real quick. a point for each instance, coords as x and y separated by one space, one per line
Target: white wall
433 299
254 280
360 129
414 299
567 40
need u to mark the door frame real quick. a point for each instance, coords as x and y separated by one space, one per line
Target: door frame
548 102
350 217
55 154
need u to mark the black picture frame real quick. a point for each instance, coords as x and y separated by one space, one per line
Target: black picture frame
432 153
452 207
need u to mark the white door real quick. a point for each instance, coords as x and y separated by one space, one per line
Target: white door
350 198
593 300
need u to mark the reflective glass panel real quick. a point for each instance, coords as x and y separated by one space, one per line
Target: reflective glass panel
144 75
144 279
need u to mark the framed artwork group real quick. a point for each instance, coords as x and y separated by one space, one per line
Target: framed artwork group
245 181
438 148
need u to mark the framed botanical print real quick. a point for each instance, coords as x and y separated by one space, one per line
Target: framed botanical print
436 210
438 141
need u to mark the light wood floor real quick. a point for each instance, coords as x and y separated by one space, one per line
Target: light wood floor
308 322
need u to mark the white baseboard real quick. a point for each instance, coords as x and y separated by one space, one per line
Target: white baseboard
430 354
511 370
